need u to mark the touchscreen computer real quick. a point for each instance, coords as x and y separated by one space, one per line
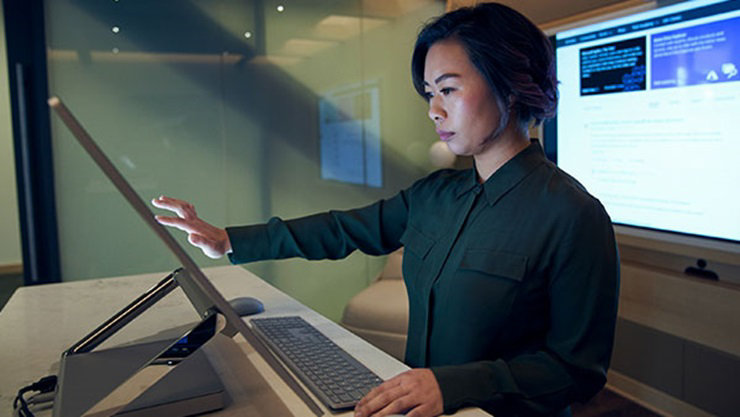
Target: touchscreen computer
204 297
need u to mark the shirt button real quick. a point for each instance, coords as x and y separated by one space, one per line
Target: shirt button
477 189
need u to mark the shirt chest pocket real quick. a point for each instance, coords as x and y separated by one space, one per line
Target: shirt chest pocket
416 248
495 264
485 285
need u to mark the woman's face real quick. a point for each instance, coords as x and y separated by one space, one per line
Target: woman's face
465 111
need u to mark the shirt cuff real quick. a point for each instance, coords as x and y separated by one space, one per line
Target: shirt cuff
248 243
465 385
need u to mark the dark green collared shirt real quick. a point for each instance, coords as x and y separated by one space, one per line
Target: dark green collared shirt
512 284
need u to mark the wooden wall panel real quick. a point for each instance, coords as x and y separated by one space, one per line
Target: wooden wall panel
702 311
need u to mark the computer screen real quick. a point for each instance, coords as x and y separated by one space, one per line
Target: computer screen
649 117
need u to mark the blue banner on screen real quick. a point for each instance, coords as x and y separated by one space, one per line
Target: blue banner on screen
708 53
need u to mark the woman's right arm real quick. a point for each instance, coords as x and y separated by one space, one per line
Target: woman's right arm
375 229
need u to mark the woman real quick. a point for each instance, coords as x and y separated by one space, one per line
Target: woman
511 266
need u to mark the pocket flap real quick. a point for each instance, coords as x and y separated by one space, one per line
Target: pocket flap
507 265
416 242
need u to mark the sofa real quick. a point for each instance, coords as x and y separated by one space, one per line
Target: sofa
380 312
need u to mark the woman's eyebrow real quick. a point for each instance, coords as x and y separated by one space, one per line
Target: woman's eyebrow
443 77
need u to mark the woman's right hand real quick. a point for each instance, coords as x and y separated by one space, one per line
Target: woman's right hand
214 242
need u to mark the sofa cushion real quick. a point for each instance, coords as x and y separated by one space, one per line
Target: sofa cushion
392 268
383 306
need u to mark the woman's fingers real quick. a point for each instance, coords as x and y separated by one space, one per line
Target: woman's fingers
213 241
415 390
380 398
182 224
392 401
180 207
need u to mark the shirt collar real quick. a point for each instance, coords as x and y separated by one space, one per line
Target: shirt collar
508 176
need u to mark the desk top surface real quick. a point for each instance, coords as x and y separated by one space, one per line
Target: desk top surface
40 322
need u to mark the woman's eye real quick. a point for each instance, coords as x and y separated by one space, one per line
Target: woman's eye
446 90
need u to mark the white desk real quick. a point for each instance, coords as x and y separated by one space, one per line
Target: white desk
40 322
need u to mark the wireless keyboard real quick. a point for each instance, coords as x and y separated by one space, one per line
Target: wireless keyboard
334 376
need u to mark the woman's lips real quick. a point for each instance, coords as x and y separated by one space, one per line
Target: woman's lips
444 135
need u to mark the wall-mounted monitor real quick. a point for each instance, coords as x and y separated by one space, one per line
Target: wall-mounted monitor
649 120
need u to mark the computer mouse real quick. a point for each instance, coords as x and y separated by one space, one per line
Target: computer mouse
245 306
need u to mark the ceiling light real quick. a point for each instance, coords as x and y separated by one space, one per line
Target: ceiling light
247 34
280 8
115 29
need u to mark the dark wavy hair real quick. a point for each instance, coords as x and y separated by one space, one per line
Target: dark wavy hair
511 53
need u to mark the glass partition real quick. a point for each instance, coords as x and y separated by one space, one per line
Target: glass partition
248 109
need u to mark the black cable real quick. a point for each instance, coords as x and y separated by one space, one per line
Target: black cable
22 410
43 385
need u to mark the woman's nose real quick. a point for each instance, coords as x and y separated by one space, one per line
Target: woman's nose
436 112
